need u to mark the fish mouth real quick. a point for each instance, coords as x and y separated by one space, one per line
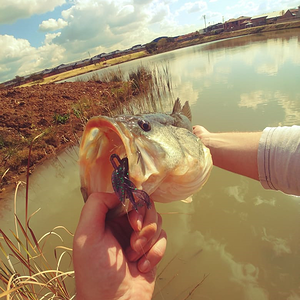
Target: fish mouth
104 136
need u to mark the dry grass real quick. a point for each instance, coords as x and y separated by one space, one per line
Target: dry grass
89 68
25 271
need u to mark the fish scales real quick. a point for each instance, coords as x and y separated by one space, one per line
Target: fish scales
165 159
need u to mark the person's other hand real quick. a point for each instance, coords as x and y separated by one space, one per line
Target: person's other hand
116 259
202 133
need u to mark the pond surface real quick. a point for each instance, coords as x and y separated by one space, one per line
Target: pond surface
242 241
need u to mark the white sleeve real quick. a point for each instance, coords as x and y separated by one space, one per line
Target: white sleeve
278 159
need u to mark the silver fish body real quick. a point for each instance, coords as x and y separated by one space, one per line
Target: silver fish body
165 159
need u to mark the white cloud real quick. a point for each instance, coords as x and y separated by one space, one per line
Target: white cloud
94 23
159 13
244 8
115 24
238 192
280 246
52 25
245 275
90 25
12 10
255 98
260 97
271 5
18 57
259 200
12 48
252 8
192 7
50 36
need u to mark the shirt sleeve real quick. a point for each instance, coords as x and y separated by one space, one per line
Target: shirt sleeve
279 159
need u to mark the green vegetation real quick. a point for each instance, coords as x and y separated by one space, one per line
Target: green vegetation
146 87
61 119
25 268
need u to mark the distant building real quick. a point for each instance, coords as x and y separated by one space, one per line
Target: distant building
217 28
65 67
275 16
236 24
259 20
82 63
137 47
298 13
291 14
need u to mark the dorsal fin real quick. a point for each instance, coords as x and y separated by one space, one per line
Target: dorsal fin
176 107
186 110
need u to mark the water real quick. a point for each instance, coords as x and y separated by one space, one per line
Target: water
242 240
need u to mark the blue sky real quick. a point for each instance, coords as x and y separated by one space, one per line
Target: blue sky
39 34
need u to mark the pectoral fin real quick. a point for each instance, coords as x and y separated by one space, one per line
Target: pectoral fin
188 200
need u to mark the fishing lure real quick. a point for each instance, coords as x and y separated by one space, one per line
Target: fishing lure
123 186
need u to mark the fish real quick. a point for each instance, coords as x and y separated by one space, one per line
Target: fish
161 155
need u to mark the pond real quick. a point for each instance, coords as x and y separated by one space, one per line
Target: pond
235 240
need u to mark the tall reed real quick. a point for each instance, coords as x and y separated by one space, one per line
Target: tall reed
25 271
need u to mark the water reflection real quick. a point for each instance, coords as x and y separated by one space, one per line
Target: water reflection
244 238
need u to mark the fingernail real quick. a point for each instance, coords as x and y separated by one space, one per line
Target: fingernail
145 266
140 244
139 222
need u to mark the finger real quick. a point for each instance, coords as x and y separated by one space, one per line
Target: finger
136 218
94 212
198 130
154 255
142 241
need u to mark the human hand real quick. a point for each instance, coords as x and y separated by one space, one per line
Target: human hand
116 259
202 133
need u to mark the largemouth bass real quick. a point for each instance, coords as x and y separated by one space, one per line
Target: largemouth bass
164 158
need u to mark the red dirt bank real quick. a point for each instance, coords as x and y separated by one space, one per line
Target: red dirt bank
59 111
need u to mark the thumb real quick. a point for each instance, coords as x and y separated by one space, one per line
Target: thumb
93 214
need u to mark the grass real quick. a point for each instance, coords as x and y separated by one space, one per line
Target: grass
65 125
145 89
25 271
196 41
61 119
25 268
28 268
89 68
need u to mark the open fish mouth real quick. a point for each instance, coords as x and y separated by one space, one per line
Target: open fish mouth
165 160
103 137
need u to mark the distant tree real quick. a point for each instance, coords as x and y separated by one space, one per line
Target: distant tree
170 40
19 79
162 43
151 47
36 77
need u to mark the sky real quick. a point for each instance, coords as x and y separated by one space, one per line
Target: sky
40 34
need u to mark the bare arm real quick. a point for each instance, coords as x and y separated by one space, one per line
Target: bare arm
232 151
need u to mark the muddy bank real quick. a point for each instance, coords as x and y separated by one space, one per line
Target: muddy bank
57 111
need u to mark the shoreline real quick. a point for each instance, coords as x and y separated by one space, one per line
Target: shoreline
59 112
197 41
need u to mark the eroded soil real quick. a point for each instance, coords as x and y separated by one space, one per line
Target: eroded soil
57 111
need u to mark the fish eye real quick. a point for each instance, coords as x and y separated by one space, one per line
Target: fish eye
145 125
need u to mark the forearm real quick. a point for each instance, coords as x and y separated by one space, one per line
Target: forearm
234 151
